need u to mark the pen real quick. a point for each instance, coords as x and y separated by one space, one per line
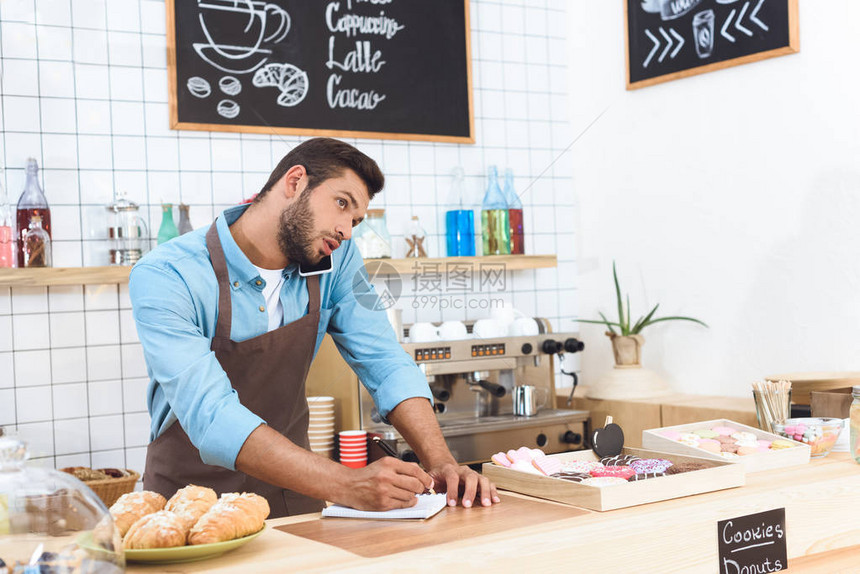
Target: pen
390 452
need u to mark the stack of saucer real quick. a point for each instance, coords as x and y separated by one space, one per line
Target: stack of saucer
321 425
353 448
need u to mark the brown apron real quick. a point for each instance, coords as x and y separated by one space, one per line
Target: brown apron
268 373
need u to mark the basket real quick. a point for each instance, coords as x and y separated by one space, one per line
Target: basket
109 489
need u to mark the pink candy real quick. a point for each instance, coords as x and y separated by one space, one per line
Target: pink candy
501 459
725 431
547 465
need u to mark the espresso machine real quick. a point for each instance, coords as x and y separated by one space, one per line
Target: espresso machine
488 394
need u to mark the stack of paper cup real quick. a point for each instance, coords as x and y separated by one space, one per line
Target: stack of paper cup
321 425
353 448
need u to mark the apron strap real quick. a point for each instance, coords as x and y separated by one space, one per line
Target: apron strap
219 264
313 294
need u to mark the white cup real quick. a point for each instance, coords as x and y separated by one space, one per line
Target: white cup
452 331
489 329
423 333
523 327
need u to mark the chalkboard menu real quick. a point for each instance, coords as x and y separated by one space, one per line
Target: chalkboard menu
671 39
397 69
753 543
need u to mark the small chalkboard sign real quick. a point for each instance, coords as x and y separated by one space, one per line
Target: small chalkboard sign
396 69
671 39
753 543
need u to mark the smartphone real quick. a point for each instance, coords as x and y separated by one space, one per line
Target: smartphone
324 266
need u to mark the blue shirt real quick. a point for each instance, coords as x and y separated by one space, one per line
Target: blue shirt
174 296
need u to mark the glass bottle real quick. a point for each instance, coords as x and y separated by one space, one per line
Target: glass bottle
32 202
168 230
372 237
459 220
515 214
415 237
495 225
8 257
854 445
184 219
37 245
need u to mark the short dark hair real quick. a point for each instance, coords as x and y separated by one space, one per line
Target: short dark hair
324 158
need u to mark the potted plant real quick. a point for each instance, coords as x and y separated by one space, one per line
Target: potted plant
627 340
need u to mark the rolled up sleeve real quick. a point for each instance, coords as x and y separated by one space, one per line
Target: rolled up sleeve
181 363
367 341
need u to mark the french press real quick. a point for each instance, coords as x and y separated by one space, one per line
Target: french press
127 232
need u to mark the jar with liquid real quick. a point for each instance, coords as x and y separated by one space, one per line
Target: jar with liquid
515 214
37 245
415 239
855 424
459 219
167 230
31 203
495 224
8 257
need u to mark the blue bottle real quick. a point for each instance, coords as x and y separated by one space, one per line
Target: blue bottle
459 221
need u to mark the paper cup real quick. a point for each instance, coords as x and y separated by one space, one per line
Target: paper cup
353 452
355 464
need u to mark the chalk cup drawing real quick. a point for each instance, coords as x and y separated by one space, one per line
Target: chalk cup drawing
228 109
254 23
198 87
703 32
230 85
289 79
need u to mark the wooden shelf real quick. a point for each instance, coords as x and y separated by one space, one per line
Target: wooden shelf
47 276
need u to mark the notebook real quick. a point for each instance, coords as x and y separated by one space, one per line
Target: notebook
428 505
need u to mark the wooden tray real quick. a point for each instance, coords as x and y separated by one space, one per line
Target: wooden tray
802 384
651 438
718 476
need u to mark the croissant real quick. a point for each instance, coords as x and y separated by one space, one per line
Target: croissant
191 502
130 507
233 516
162 529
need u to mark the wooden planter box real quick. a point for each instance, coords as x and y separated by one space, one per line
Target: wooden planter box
797 455
718 476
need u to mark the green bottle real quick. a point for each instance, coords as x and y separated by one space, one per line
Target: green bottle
495 222
168 230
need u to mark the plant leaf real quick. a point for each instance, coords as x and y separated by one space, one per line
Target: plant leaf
652 321
627 320
618 297
644 320
609 324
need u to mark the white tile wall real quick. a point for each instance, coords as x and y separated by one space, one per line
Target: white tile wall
84 90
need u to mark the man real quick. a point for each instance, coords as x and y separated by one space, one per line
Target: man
230 319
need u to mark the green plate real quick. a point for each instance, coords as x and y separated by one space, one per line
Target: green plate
178 554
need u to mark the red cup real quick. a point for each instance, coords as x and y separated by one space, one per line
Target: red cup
355 464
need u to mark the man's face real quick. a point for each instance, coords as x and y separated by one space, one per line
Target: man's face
320 219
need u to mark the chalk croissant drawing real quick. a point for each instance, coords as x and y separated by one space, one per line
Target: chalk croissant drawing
255 23
292 81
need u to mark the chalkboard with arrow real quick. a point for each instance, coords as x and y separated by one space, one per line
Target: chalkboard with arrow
671 39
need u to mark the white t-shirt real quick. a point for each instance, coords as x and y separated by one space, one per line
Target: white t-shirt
274 279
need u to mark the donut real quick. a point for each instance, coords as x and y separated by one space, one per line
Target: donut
645 476
725 439
686 467
571 476
624 472
618 460
585 466
650 465
604 481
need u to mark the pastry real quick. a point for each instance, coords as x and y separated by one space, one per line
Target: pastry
645 475
191 502
162 529
618 460
132 506
585 466
84 473
501 459
650 465
604 481
686 467
624 472
572 476
547 465
233 516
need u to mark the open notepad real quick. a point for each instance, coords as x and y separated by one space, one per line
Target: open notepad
428 505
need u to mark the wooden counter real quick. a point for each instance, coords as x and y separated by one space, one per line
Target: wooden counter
821 501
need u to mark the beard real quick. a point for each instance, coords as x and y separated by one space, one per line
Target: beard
295 232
